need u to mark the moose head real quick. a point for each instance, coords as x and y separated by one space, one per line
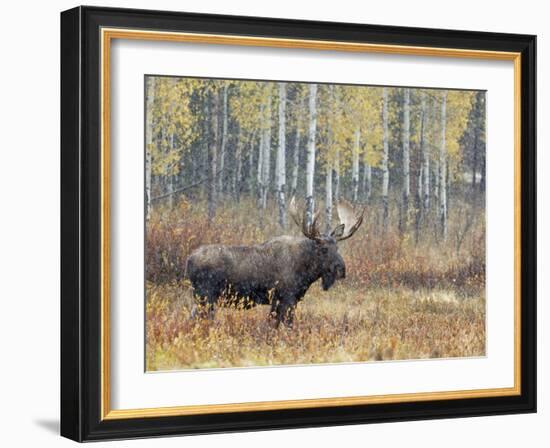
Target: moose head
330 262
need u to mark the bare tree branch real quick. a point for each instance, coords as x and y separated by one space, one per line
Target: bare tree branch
187 187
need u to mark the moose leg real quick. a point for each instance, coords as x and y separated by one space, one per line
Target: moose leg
273 313
285 314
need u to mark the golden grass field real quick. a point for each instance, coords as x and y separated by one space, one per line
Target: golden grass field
341 325
401 299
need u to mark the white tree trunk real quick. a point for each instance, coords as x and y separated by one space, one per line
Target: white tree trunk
149 144
213 165
295 162
281 160
425 154
310 162
406 189
171 147
170 180
436 181
419 187
296 154
224 142
355 165
367 180
328 198
259 173
436 160
384 164
266 158
251 165
336 176
237 180
443 168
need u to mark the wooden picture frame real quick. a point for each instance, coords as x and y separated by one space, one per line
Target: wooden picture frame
86 35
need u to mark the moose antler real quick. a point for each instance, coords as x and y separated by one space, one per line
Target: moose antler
347 218
310 231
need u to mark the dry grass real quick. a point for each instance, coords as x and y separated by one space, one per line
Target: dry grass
401 299
341 325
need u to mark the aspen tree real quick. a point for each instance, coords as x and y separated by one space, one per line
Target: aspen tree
310 155
443 167
149 143
384 165
280 166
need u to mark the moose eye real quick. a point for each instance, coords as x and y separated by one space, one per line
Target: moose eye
324 250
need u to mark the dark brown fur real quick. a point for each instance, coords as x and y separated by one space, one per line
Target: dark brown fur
277 273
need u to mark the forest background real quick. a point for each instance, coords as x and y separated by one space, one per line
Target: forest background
223 159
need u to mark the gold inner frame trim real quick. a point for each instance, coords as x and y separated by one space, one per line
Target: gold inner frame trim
107 35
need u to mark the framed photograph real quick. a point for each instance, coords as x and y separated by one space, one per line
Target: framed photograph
273 223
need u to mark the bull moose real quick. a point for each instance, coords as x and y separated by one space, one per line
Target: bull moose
277 272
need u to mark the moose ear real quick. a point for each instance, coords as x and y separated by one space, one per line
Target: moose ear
338 231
